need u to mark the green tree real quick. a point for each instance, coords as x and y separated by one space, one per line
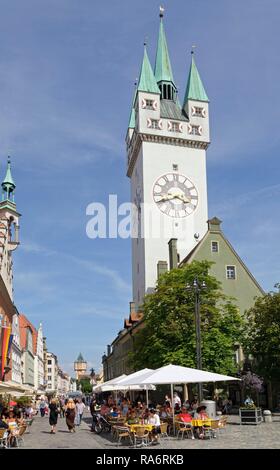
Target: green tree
86 386
263 335
168 335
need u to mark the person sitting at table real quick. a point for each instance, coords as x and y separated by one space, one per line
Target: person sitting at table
124 407
184 415
131 417
177 409
114 413
201 413
104 409
164 412
155 421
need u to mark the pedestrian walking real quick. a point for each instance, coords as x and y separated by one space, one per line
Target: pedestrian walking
80 407
53 415
42 407
70 415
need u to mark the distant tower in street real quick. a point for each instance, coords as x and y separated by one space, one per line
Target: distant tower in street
80 366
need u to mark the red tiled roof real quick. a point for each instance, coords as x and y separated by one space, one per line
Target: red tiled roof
24 323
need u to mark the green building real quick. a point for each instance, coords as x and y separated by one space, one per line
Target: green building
236 279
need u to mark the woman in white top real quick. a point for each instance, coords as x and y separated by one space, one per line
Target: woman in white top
154 419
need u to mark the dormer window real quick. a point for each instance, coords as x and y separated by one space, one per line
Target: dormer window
168 92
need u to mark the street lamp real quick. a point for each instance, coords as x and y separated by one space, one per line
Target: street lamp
197 288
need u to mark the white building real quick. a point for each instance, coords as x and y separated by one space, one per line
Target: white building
16 352
51 373
166 163
63 383
39 362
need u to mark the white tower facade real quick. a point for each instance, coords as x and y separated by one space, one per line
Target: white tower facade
166 146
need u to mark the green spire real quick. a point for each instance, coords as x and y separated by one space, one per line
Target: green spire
163 70
147 81
195 89
131 124
80 358
8 184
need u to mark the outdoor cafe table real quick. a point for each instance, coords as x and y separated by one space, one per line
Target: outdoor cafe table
147 427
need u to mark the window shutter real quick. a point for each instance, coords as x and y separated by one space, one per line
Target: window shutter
189 128
203 112
193 111
200 130
155 105
143 103
149 122
181 127
169 125
160 125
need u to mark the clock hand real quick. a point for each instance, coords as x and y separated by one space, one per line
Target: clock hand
183 198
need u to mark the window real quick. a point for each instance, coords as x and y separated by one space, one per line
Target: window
214 247
175 167
231 274
49 378
154 124
49 361
149 104
49 370
194 130
198 111
174 127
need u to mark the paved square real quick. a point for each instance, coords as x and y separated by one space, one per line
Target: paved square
262 436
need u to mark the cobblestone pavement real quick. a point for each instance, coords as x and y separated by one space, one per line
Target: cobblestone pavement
264 435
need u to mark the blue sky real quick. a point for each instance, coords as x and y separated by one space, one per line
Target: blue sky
67 69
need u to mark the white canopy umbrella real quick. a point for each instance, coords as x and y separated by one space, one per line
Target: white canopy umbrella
172 374
107 386
122 384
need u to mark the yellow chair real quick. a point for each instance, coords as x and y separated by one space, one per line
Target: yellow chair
141 436
184 429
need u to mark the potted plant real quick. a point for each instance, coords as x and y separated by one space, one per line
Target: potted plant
250 413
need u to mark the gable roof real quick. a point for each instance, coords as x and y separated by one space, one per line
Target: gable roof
24 324
211 224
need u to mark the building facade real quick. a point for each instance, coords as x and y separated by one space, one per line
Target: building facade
80 366
28 335
39 375
166 163
63 383
9 241
52 373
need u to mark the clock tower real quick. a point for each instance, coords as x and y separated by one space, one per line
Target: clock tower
166 163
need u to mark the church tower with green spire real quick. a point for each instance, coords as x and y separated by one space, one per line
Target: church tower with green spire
9 228
166 164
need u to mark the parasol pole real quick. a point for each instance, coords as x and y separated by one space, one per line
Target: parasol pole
173 412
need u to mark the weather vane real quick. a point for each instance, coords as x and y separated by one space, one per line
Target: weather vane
161 11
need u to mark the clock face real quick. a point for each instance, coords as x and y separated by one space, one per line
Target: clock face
175 195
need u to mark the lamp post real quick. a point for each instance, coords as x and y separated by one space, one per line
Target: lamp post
196 288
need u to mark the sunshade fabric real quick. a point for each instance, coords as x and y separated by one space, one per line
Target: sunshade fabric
172 374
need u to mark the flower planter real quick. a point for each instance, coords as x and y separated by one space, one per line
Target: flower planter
250 415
